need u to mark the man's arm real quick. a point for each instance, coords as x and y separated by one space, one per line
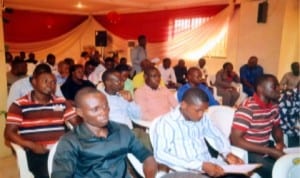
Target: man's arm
65 158
150 167
278 137
11 134
237 139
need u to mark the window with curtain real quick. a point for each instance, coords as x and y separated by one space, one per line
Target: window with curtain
180 25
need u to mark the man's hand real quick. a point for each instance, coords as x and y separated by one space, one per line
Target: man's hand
275 153
212 170
279 146
126 95
233 159
38 148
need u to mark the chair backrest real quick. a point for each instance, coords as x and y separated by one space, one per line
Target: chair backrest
22 161
222 118
50 157
288 166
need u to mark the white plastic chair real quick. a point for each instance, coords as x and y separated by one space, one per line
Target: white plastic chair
50 158
287 166
222 118
22 161
211 79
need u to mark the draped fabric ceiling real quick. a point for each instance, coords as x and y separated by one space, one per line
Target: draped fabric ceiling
42 32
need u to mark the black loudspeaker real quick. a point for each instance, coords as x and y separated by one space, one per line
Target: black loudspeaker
101 38
262 12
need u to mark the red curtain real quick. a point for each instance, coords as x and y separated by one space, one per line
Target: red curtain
155 25
33 26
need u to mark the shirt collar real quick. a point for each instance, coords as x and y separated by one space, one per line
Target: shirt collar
84 132
31 99
261 103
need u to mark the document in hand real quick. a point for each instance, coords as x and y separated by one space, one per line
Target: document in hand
240 168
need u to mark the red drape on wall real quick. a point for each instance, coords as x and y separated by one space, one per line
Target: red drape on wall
30 26
155 25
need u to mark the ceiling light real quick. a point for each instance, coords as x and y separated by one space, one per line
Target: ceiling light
79 5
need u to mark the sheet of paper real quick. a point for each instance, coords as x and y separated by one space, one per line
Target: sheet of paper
241 168
292 150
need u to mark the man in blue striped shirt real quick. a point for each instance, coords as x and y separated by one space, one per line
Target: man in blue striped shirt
179 138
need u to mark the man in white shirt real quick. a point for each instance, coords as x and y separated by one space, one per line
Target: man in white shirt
167 73
179 139
122 107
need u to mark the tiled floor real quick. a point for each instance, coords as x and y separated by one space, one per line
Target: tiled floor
8 167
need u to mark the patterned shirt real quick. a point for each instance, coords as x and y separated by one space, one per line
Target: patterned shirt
42 123
180 144
289 108
256 119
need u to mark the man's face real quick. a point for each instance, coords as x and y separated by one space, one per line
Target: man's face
271 89
194 77
94 110
296 69
153 79
166 64
64 70
45 83
193 112
78 73
114 82
89 69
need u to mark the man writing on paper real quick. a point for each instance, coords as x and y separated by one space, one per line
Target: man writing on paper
179 138
255 120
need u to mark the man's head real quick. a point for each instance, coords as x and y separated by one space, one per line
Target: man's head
146 63
194 76
267 87
63 68
295 68
18 67
142 40
43 81
166 63
51 59
124 71
89 67
112 81
201 62
152 77
181 63
76 72
92 107
228 67
194 104
252 61
109 63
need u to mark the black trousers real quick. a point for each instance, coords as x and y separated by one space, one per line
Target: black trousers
267 164
37 164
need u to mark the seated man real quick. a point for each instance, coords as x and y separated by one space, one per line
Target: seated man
290 80
37 119
24 85
153 99
167 73
179 139
75 82
139 80
289 109
122 107
98 147
249 73
255 120
194 80
225 79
